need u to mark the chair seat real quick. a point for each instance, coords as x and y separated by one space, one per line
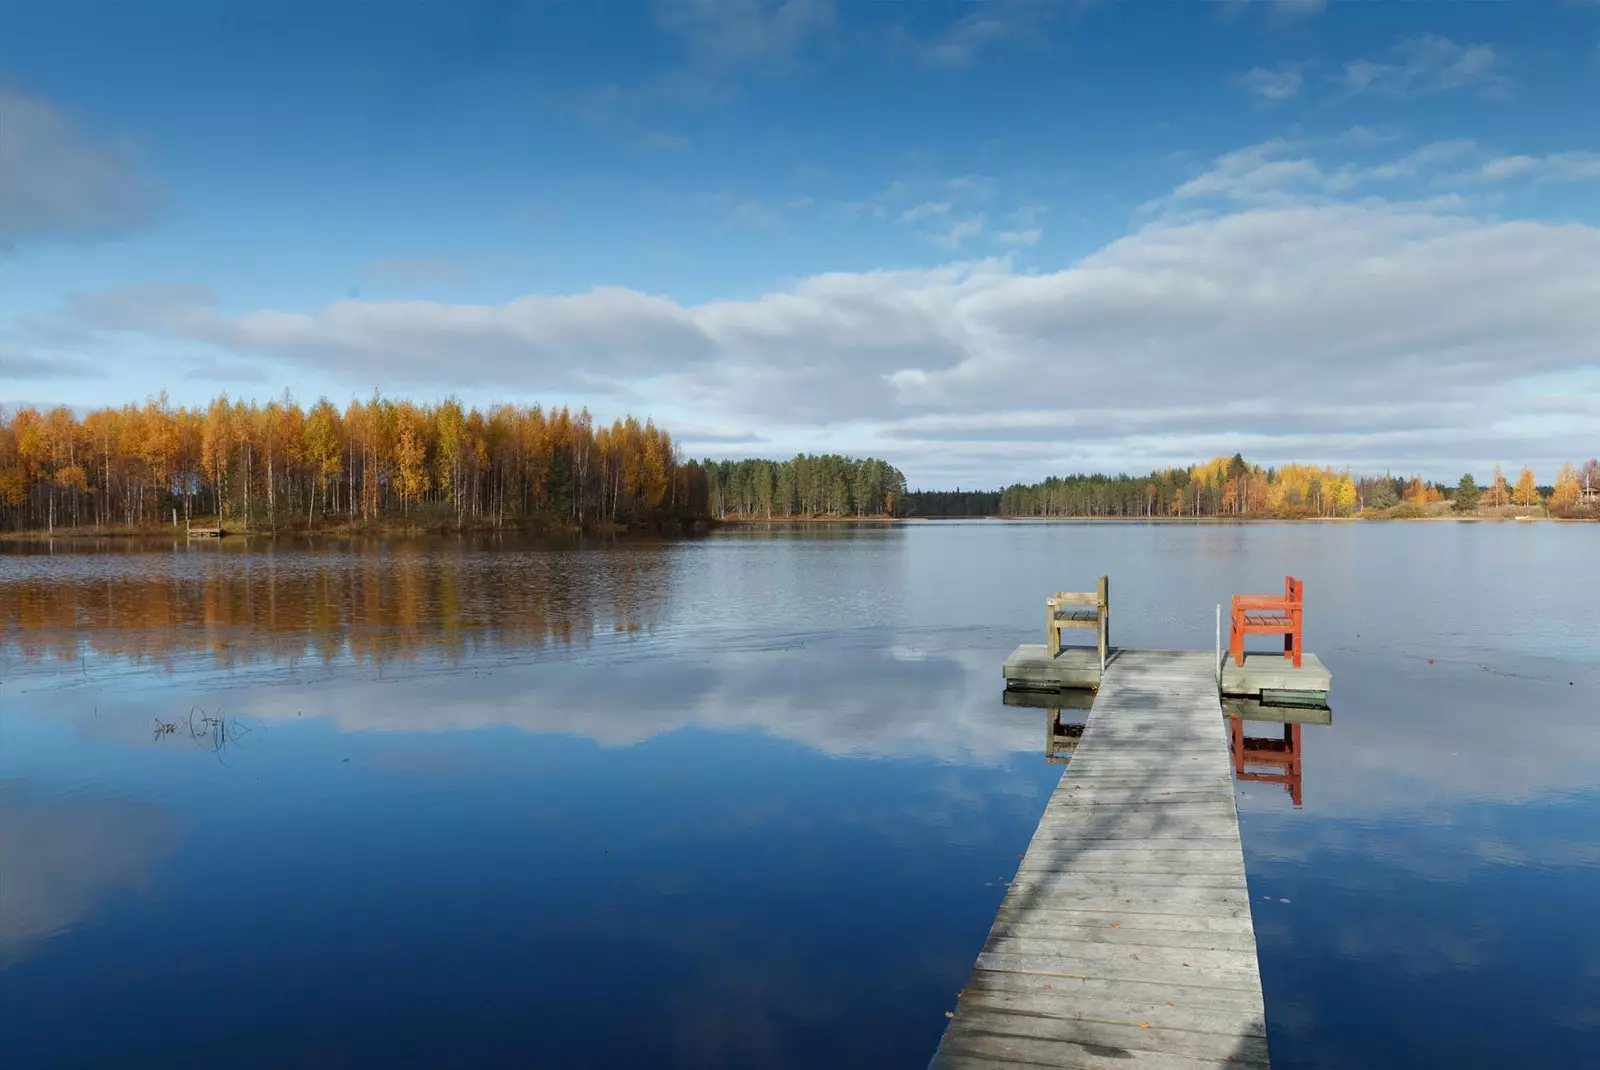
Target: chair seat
1269 620
1077 614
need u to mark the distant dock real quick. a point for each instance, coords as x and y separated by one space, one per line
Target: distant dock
1126 939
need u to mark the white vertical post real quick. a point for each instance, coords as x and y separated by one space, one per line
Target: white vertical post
1217 665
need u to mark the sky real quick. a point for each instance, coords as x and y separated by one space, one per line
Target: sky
987 242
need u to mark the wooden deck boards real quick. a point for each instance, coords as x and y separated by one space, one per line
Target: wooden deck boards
1126 939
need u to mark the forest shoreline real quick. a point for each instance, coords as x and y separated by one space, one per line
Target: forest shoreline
386 526
544 528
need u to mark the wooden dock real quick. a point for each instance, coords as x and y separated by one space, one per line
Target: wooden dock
1126 939
1031 668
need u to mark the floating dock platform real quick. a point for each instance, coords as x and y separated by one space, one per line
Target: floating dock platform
1031 668
1126 939
1270 677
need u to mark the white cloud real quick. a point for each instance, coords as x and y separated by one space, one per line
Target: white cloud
1425 65
1298 9
1272 85
1190 335
1280 172
412 270
1558 167
959 44
57 181
1421 161
1279 10
970 227
1030 236
16 366
665 141
978 185
924 210
751 34
724 42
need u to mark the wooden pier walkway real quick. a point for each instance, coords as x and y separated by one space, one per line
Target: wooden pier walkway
1126 939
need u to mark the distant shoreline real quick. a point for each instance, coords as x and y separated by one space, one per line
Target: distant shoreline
742 521
404 529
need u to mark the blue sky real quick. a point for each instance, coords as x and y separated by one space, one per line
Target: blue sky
985 240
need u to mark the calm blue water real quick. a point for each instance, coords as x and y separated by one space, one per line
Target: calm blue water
749 800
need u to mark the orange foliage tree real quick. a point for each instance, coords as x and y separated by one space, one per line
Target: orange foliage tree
267 466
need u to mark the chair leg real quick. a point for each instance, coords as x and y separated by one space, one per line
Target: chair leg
1236 644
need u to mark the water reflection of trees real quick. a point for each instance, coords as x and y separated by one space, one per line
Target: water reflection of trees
372 602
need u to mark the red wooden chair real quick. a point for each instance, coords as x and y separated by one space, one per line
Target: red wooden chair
1265 614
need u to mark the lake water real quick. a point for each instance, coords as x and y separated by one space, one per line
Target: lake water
749 800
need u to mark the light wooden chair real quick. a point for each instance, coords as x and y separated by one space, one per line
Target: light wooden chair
1086 609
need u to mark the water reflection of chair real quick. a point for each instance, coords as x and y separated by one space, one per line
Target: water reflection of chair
1272 759
1281 756
1065 714
1060 737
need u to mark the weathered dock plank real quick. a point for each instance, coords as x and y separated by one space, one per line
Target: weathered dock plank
1126 938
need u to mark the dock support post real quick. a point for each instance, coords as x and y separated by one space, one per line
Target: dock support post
1105 618
1217 664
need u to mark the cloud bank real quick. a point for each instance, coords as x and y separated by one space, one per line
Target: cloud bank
1273 302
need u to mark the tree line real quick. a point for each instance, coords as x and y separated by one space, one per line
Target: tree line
1233 487
806 486
279 465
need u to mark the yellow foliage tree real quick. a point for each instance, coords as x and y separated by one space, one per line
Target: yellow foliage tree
1526 491
1566 492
